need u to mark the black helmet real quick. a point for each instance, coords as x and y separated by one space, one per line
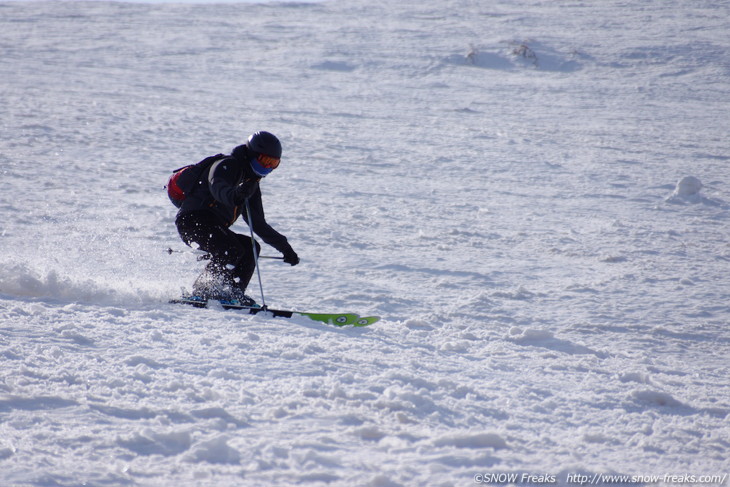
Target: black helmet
265 143
265 150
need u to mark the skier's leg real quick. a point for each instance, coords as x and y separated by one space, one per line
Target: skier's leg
219 277
246 265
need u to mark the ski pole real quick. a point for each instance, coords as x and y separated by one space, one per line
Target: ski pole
255 254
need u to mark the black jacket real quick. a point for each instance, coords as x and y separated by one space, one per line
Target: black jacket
216 194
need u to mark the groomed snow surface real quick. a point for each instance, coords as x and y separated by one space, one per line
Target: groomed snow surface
532 195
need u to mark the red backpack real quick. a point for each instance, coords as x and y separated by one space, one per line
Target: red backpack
183 180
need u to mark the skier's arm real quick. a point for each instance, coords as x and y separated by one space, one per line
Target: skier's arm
263 229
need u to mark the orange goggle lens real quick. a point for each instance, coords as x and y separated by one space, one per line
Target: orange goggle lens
268 162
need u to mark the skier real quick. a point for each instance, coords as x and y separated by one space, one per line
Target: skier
218 199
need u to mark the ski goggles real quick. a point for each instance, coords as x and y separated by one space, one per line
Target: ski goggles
263 164
268 162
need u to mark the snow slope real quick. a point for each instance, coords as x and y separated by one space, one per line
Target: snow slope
533 195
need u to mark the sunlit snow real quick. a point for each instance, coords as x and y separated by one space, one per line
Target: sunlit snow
532 195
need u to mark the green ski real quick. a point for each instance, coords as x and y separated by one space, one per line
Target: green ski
337 319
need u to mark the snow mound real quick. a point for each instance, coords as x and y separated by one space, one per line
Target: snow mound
150 442
688 186
546 339
687 190
656 399
215 450
520 55
472 440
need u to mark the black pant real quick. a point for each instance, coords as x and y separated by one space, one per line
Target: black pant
232 262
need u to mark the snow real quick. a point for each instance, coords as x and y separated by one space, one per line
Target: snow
532 195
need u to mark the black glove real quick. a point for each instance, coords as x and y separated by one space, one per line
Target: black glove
291 257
